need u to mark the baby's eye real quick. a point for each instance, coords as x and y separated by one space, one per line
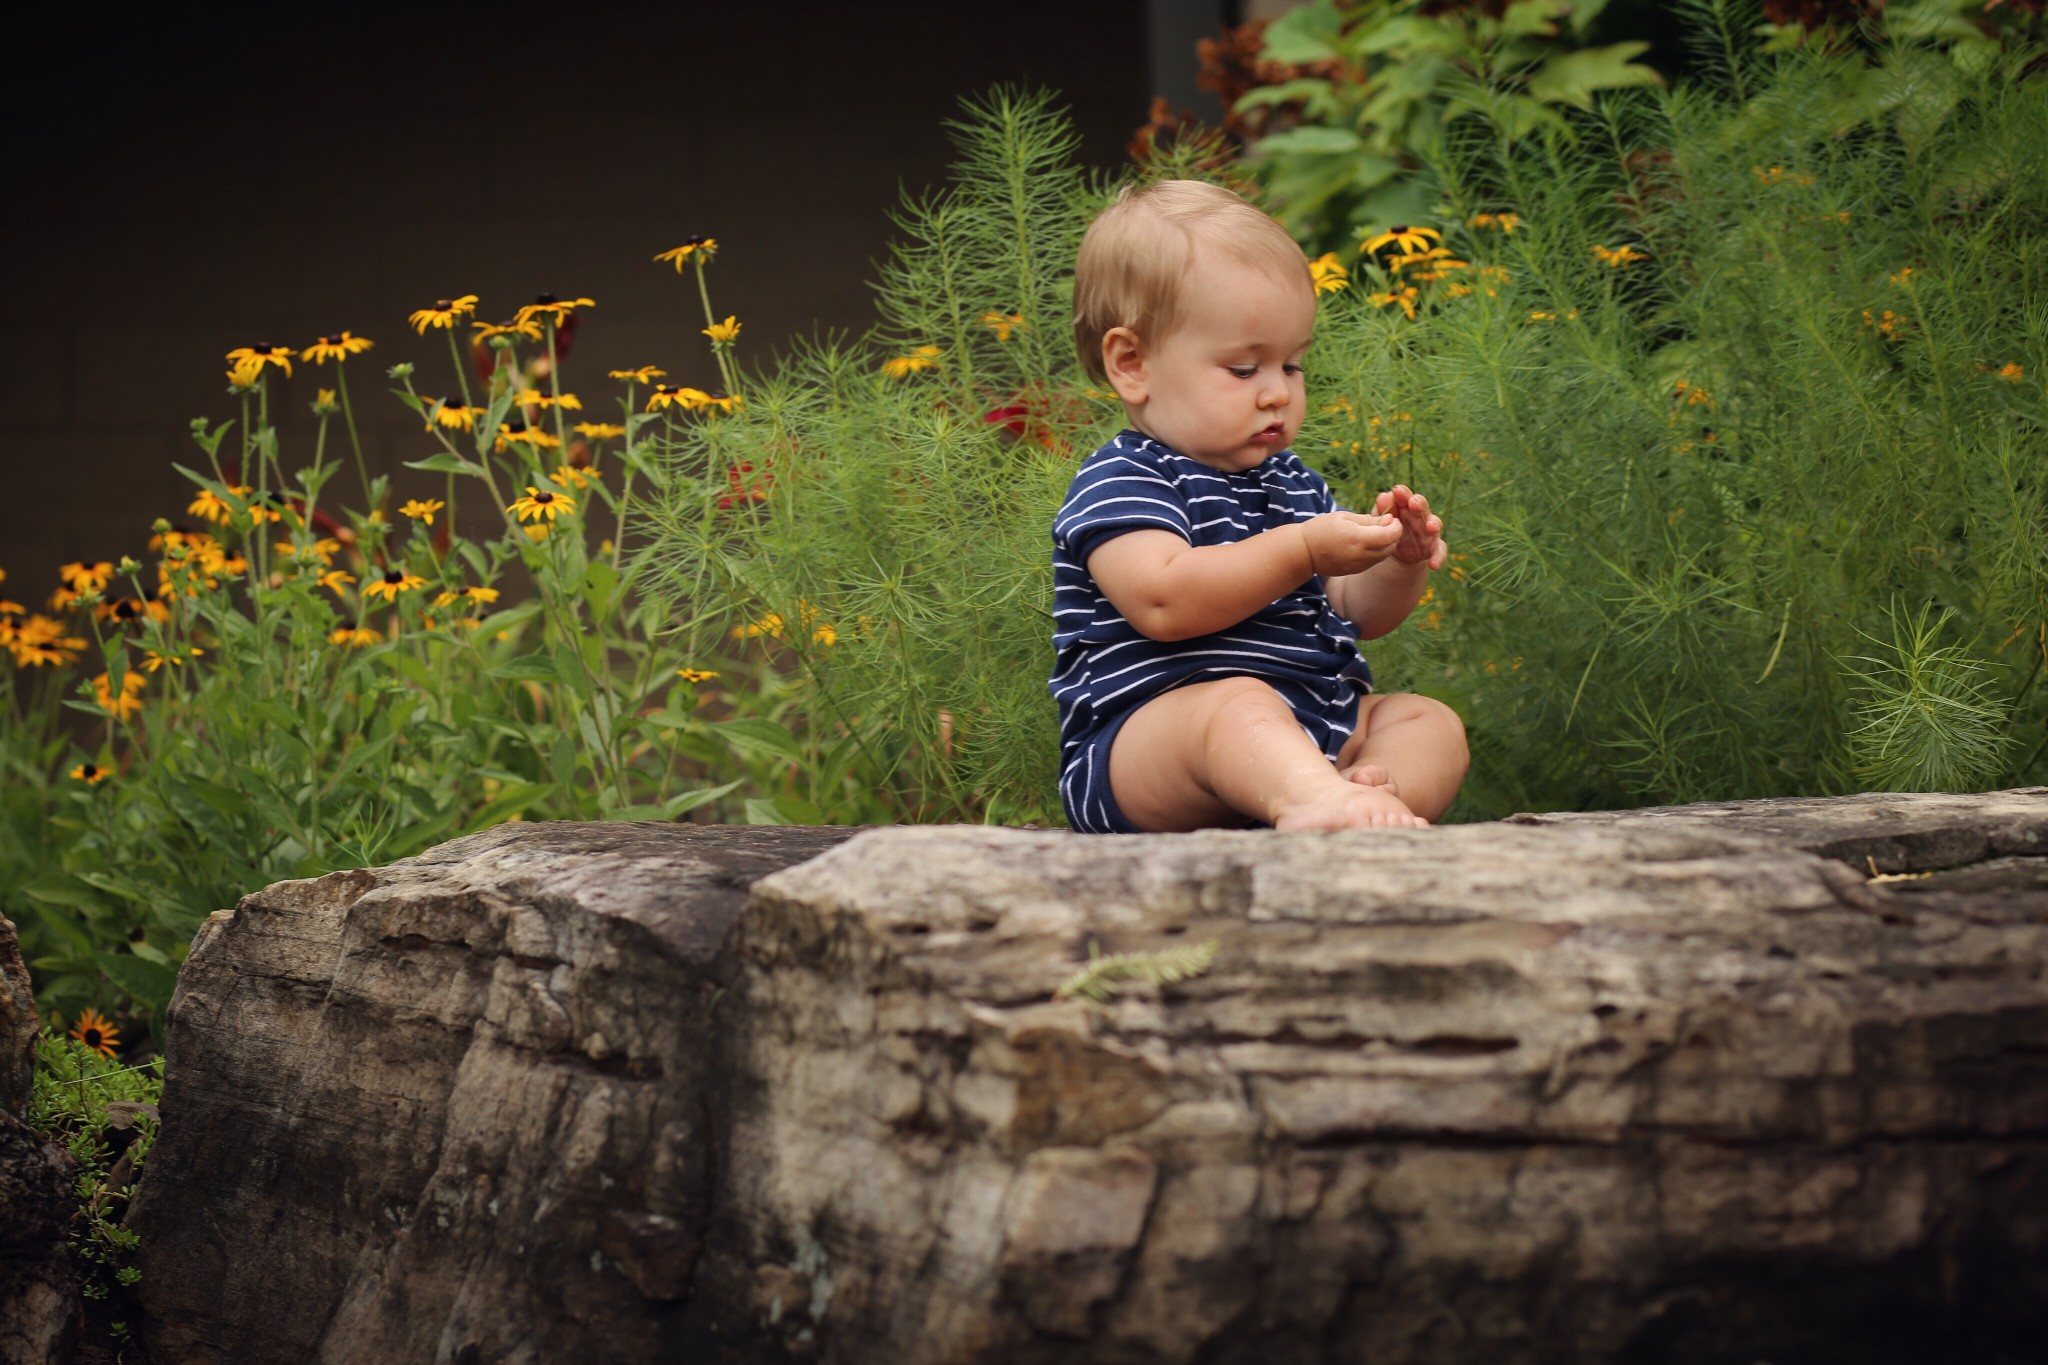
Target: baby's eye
1243 371
1291 369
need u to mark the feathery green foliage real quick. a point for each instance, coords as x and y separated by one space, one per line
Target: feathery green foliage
1161 968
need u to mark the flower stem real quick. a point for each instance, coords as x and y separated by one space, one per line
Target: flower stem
348 412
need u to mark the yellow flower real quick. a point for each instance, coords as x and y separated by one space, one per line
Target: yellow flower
724 402
696 675
1778 175
338 347
485 596
825 635
87 577
533 436
208 504
94 1031
1002 324
126 609
923 358
130 701
568 476
1402 238
1619 256
688 399
769 625
598 431
1553 317
723 334
455 416
1692 395
1405 297
706 247
392 582
534 398
1439 260
444 314
1899 277
324 403
249 361
39 642
336 581
355 637
1885 324
154 659
1329 276
553 309
518 327
91 774
1503 222
539 503
422 509
646 374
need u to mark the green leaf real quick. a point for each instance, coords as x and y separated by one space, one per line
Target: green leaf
758 734
1309 33
1572 77
1310 142
150 983
760 811
527 668
446 463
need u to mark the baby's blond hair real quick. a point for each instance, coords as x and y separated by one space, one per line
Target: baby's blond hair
1135 257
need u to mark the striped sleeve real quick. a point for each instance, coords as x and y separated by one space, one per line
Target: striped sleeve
1113 494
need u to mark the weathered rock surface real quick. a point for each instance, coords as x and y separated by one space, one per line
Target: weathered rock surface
1681 1085
19 1024
39 1316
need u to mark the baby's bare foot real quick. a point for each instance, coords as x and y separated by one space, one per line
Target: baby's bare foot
1371 775
1351 805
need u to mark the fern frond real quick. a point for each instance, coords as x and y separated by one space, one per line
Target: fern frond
1161 968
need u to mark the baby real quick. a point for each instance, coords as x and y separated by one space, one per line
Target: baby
1208 591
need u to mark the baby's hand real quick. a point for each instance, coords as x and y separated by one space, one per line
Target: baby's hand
1421 539
1342 543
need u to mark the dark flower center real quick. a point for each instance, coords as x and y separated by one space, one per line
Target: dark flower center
394 575
543 498
545 299
137 934
443 305
90 770
266 347
1399 229
696 241
125 609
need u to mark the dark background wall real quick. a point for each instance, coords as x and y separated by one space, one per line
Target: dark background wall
190 180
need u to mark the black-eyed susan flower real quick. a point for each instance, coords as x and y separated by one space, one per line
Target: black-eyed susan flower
903 366
357 636
92 774
646 374
1426 267
696 675
509 435
82 577
123 610
681 396
727 403
553 309
540 503
392 582
1404 239
723 334
1619 256
700 249
249 361
444 314
568 476
95 1032
517 327
1403 298
421 509
454 416
129 703
208 504
1328 274
336 581
534 398
154 659
599 431
40 642
337 346
1499 222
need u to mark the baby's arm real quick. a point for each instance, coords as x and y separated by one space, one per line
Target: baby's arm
1380 598
1171 590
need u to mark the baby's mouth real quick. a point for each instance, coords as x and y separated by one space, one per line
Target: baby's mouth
1276 432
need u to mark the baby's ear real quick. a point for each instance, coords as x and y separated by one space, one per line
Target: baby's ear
1123 363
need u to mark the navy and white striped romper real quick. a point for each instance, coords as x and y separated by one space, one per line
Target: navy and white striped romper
1105 669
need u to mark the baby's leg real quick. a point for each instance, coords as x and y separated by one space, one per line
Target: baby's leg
1217 753
1413 745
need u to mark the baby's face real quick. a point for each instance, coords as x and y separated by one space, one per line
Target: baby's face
1225 386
